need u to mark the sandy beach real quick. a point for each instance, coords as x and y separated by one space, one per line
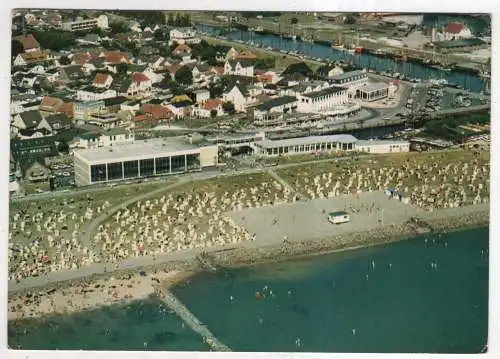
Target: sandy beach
283 231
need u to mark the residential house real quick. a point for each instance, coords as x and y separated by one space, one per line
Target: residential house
239 67
102 80
103 138
94 65
157 113
275 108
210 106
182 50
83 110
238 95
91 93
132 106
51 75
26 123
114 104
200 69
80 58
28 80
245 55
29 57
137 86
305 87
268 77
148 51
71 73
34 170
28 43
50 105
116 57
56 123
107 120
33 148
185 35
456 31
201 96
230 54
90 39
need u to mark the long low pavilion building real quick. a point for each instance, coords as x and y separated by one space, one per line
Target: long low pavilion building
330 143
141 159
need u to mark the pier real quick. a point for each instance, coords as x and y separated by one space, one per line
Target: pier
174 304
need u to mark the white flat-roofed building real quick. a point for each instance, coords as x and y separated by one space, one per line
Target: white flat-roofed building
330 143
141 159
351 80
323 100
86 24
373 91
304 145
186 35
382 146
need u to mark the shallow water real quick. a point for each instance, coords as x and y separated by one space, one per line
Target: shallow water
381 299
390 295
139 325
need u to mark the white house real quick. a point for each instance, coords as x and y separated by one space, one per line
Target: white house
91 93
110 137
305 87
322 100
102 80
238 96
351 80
275 108
205 110
201 95
139 85
239 67
186 35
456 31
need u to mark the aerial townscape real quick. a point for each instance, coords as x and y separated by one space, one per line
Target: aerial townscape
164 162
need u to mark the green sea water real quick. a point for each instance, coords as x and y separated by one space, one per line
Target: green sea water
428 294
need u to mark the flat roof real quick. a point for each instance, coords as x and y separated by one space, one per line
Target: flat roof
267 143
139 149
380 142
373 86
338 213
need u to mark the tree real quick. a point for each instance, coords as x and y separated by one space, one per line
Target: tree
64 60
228 107
178 20
118 28
122 68
213 113
349 19
294 20
54 40
63 147
170 21
184 76
16 48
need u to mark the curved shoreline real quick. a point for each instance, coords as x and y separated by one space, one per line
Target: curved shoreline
176 272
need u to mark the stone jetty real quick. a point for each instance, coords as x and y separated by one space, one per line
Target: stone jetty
174 304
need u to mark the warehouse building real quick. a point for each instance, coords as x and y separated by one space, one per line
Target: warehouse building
142 159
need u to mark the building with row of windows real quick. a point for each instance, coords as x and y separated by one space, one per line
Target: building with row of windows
141 159
322 100
331 143
81 24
